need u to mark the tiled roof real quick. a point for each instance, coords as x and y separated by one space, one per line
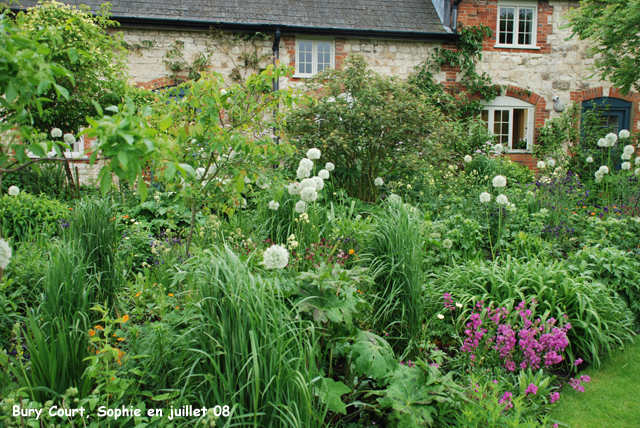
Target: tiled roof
393 16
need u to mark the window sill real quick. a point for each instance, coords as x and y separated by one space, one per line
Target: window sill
518 152
532 48
303 76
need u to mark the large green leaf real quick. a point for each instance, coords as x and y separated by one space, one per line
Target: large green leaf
330 392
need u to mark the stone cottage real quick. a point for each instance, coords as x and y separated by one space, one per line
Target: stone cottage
529 52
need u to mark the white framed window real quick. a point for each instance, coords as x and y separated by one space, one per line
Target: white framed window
314 56
517 23
75 150
511 122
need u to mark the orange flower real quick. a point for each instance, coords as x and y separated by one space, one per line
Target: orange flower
92 333
70 209
138 295
115 335
593 213
120 339
177 307
352 251
170 294
125 318
98 327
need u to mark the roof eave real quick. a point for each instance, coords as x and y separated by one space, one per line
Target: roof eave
178 24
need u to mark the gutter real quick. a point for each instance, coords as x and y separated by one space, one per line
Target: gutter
454 16
180 24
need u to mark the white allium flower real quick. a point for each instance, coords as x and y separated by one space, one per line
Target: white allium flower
244 203
626 165
378 181
200 173
498 148
5 254
14 191
223 92
589 159
611 139
626 156
319 183
551 163
273 205
637 172
602 142
440 316
308 182
598 179
502 200
313 154
275 257
637 160
247 180
468 158
628 149
56 133
458 305
324 174
69 138
499 181
301 206
306 164
599 174
394 199
540 165
604 169
294 188
623 134
485 197
308 194
303 172
329 166
447 243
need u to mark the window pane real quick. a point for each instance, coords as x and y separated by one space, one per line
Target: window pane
507 18
501 125
324 50
519 135
485 116
525 26
305 56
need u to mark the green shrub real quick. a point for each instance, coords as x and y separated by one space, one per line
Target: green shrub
25 216
599 318
51 180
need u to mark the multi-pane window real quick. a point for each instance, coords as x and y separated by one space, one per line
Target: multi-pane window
313 56
516 24
511 122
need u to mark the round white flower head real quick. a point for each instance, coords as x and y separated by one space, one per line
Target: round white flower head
14 191
294 188
394 199
329 166
468 158
303 172
499 181
308 194
637 161
308 182
598 179
502 200
200 173
378 181
447 243
313 154
69 138
301 206
5 254
589 159
485 197
551 163
306 164
244 203
540 165
56 133
602 142
604 169
223 92
611 139
273 205
275 257
599 174
319 183
498 148
628 149
440 316
626 156
637 172
324 174
626 165
623 134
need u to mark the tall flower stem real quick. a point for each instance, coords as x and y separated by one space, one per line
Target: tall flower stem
493 256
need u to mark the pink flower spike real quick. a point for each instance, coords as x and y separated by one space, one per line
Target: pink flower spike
577 362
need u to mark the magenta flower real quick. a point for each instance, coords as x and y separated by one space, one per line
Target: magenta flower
577 362
554 397
531 389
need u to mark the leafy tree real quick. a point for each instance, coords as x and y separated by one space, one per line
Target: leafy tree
78 41
612 27
368 125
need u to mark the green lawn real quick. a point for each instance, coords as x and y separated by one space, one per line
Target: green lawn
610 400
